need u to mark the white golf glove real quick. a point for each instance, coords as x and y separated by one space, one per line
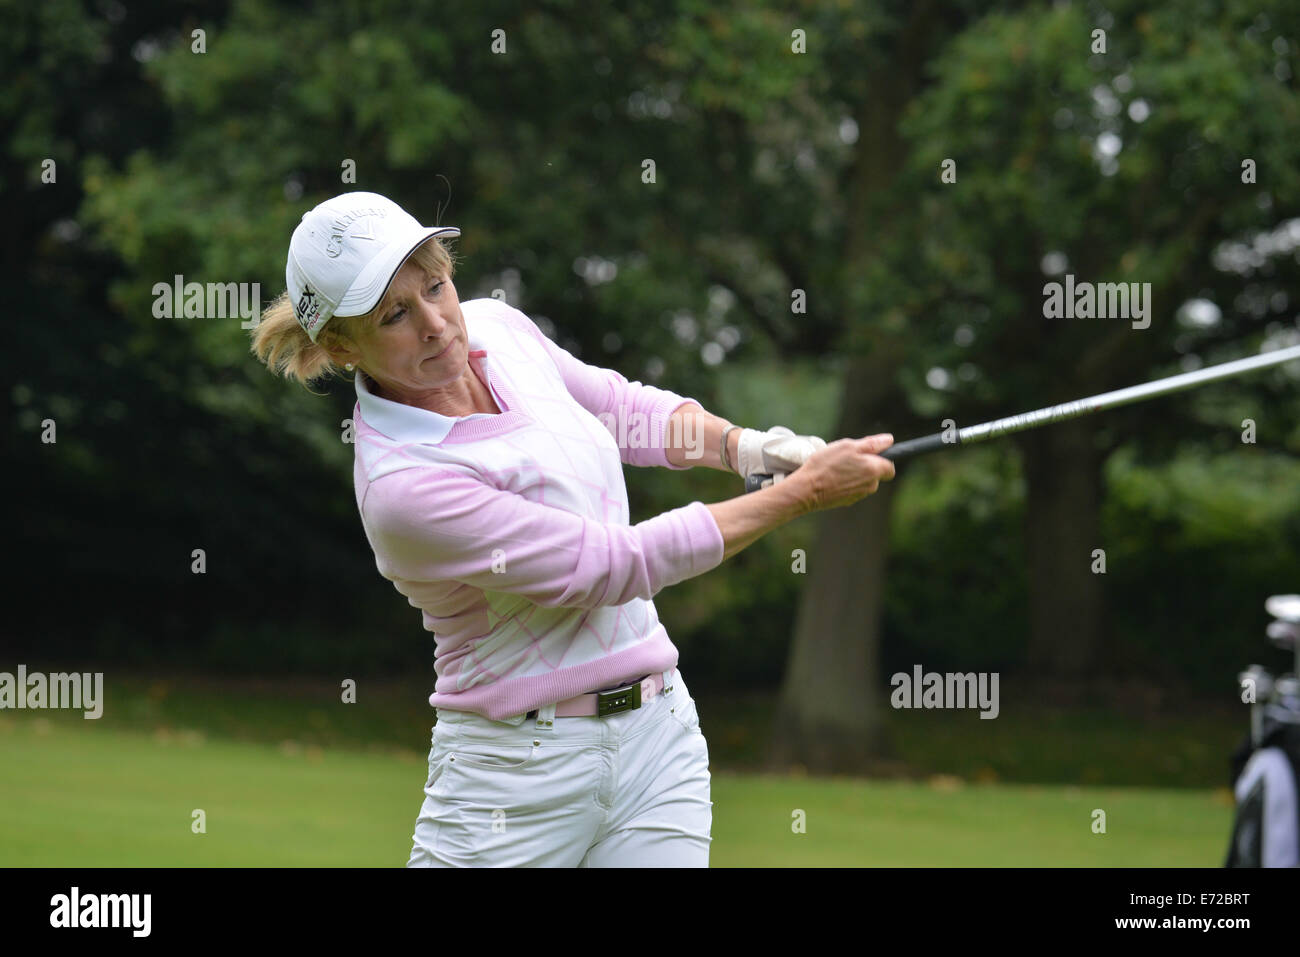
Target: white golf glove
778 451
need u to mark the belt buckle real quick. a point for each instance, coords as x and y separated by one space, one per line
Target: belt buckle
618 700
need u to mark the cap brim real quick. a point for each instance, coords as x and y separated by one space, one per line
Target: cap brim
373 282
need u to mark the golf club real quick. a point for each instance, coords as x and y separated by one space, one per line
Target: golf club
1284 705
1067 410
1284 607
1260 682
1285 631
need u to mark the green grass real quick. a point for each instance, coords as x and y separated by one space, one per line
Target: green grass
81 793
853 823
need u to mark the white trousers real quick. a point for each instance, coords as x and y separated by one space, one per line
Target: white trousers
626 790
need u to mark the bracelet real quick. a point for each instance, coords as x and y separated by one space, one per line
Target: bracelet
726 459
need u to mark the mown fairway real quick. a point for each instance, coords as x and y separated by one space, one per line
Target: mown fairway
76 795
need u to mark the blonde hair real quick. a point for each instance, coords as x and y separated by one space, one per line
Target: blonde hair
284 347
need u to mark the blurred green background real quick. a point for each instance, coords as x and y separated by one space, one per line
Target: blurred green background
798 259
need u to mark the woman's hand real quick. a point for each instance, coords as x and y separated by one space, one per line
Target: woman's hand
844 472
839 474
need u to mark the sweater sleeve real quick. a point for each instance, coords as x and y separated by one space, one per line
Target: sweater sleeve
437 525
609 396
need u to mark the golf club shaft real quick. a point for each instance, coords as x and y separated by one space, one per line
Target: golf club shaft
1071 410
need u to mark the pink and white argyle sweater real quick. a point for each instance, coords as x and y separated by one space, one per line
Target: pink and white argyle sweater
510 531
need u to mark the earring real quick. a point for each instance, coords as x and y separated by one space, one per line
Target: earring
348 367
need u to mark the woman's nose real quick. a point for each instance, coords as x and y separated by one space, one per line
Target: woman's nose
435 323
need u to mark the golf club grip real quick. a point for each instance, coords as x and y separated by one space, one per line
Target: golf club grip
899 450
926 443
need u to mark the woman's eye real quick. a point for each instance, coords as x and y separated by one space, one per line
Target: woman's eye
433 290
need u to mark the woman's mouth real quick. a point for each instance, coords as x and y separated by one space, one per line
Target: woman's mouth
444 351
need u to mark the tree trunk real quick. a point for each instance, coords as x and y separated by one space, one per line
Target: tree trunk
829 710
829 714
1062 527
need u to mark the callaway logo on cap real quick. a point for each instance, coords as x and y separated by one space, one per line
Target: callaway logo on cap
344 254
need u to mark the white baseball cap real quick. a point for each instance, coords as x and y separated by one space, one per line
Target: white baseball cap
344 254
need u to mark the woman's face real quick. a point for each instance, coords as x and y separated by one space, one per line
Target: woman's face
416 349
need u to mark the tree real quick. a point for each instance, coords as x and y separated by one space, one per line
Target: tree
1117 166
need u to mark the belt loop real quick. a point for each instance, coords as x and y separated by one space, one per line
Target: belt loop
545 718
668 682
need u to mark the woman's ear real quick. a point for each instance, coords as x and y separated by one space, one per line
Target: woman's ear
341 357
341 350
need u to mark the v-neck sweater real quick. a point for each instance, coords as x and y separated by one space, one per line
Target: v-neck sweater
510 531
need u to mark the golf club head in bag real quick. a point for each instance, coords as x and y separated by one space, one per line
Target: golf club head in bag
1284 608
1256 687
1283 707
1285 631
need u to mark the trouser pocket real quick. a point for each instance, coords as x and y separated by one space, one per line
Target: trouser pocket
683 712
491 756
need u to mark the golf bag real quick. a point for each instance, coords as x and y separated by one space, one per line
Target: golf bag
1266 830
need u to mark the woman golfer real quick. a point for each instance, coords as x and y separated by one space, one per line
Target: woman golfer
489 480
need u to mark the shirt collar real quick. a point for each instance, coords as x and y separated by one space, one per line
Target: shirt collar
406 423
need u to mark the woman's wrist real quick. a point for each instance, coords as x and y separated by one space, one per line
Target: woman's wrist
727 457
800 494
745 519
